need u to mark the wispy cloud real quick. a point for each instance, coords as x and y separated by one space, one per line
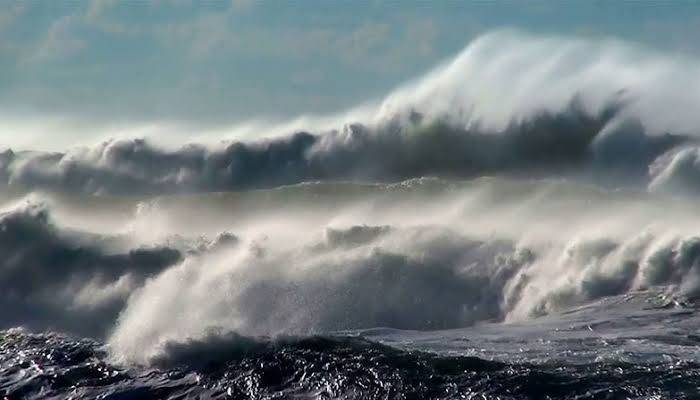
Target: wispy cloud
188 59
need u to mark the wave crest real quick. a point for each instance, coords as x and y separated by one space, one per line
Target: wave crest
510 103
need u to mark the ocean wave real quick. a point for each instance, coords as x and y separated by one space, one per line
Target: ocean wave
425 254
53 278
356 152
419 278
544 185
508 104
213 315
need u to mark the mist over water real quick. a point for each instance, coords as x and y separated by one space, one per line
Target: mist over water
529 203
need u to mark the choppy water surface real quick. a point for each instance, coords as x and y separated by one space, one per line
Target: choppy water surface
390 306
618 351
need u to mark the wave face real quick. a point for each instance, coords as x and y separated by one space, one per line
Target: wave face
519 223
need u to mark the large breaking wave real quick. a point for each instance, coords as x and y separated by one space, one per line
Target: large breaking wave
509 103
522 179
423 254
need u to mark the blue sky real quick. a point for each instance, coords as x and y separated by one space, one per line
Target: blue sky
218 62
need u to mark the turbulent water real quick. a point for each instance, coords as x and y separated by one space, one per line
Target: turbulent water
480 233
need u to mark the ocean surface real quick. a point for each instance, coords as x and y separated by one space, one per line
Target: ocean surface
637 346
422 289
520 223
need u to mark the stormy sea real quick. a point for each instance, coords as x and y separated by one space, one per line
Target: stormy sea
519 223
